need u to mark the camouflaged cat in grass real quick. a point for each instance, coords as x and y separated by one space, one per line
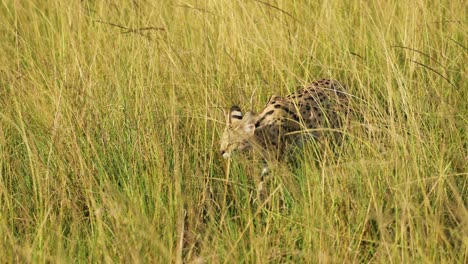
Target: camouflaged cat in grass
312 111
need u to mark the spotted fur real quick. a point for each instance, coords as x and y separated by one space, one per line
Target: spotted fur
310 112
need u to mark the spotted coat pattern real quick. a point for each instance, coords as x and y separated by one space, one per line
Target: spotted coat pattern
310 112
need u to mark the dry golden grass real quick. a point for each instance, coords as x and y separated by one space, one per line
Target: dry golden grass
110 114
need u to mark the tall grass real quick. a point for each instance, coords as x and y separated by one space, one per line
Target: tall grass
110 114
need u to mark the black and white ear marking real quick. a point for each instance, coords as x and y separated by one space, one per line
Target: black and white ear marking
235 114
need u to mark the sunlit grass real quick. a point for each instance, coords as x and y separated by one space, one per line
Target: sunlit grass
110 115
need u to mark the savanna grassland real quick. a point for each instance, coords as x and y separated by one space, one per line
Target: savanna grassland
111 111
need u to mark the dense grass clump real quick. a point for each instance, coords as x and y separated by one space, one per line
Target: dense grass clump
110 114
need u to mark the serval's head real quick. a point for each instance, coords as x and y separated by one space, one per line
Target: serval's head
238 133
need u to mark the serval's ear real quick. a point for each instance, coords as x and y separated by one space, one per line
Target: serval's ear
235 115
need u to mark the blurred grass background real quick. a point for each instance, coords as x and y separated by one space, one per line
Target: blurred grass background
110 114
